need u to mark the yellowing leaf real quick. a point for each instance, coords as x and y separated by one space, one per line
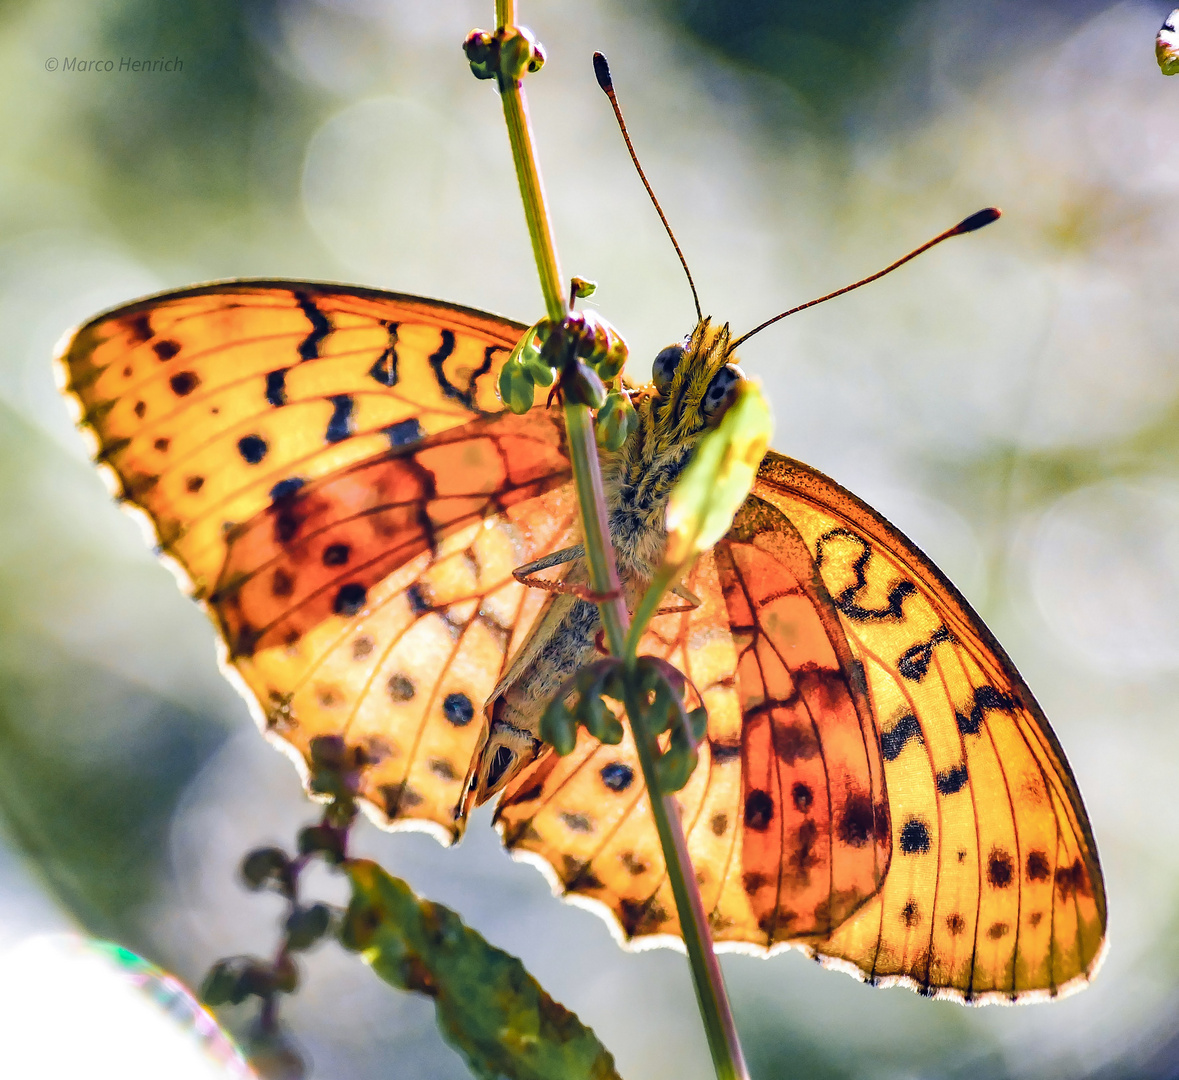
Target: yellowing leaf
489 1008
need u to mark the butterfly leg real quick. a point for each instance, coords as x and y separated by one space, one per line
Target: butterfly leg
526 575
691 601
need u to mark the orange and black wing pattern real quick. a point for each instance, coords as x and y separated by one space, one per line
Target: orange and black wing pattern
994 891
331 470
785 815
878 785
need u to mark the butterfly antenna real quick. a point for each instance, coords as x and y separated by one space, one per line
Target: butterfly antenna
976 221
602 71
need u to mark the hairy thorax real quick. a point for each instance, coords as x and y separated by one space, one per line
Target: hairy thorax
637 481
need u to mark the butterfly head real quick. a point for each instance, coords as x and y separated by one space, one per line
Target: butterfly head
694 382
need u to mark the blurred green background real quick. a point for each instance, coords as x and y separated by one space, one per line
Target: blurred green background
1011 401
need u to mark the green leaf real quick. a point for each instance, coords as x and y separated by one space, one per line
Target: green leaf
489 1008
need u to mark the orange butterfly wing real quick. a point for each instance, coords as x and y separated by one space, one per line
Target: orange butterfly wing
842 668
327 467
995 890
785 817
331 471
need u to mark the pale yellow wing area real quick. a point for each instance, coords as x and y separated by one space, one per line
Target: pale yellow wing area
994 891
403 676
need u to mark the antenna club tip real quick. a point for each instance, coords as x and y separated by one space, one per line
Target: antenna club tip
978 219
602 72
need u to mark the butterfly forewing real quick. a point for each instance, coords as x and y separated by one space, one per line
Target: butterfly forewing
206 400
326 467
994 887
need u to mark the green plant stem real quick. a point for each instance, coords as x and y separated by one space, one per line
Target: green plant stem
710 988
540 228
727 1057
664 579
599 549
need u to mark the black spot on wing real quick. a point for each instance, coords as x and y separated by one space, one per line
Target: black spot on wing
439 357
281 583
320 327
350 599
915 837
140 328
617 776
184 383
165 350
384 369
418 603
400 688
857 822
914 662
759 810
1000 869
252 448
847 601
1037 866
404 433
340 426
985 698
893 741
276 387
457 708
952 780
336 554
284 489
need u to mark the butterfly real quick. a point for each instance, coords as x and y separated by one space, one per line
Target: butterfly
332 475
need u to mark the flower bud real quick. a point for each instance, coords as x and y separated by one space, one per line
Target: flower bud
516 387
558 727
305 926
266 867
616 421
583 387
519 53
481 54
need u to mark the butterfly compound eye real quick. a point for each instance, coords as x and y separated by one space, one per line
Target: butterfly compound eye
721 390
664 368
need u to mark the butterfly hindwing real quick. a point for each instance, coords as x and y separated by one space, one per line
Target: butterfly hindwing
784 816
404 677
815 843
994 889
